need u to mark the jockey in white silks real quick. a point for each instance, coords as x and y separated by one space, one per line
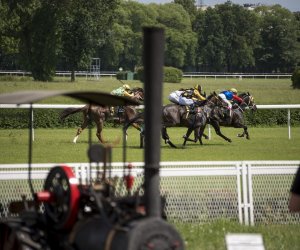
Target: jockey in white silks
174 96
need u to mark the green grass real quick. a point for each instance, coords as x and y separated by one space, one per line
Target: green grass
265 91
55 145
212 236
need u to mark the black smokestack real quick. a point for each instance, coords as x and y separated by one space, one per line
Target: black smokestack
153 69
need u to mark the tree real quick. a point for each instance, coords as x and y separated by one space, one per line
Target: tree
84 27
180 51
211 42
123 48
190 8
279 32
40 40
240 32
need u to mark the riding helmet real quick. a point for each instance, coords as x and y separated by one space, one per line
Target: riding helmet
126 86
198 87
233 90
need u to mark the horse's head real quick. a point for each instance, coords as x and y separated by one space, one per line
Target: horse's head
138 94
215 100
248 101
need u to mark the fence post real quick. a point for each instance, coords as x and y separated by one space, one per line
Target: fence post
245 193
32 127
250 193
289 122
239 192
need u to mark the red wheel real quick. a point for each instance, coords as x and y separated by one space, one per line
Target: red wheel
62 209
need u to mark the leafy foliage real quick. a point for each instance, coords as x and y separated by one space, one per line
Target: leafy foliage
82 28
296 79
172 75
42 36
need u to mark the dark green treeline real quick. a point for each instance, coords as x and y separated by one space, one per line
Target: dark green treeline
44 36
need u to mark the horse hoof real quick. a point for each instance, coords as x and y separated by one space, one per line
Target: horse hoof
229 140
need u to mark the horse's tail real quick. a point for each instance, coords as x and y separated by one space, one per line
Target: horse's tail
68 111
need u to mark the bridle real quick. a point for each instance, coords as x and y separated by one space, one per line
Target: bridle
138 95
250 103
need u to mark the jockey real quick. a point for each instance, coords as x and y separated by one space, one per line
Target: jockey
122 91
192 96
235 96
228 96
175 95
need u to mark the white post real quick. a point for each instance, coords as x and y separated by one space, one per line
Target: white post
289 122
209 132
250 192
239 192
245 193
32 127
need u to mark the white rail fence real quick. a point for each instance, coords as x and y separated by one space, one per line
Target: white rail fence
191 75
288 107
251 192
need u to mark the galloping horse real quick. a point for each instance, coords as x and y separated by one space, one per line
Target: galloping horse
177 115
101 113
213 112
236 120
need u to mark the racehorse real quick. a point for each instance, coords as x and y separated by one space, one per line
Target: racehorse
236 119
177 115
213 110
99 114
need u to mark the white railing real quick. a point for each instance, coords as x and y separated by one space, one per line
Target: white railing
251 192
191 75
63 106
239 76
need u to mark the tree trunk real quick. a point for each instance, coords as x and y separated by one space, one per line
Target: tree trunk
72 75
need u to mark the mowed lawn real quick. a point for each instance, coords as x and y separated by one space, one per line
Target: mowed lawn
55 145
265 91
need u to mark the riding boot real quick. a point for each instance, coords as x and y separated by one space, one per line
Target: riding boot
192 108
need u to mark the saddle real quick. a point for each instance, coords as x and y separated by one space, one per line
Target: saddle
192 110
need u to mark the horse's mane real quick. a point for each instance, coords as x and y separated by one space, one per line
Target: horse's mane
244 94
211 95
137 89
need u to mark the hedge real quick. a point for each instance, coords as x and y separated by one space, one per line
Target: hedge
49 118
170 74
296 79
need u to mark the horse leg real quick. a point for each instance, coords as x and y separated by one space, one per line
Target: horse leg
166 137
201 134
186 136
137 126
205 136
79 130
245 132
142 136
219 133
99 132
